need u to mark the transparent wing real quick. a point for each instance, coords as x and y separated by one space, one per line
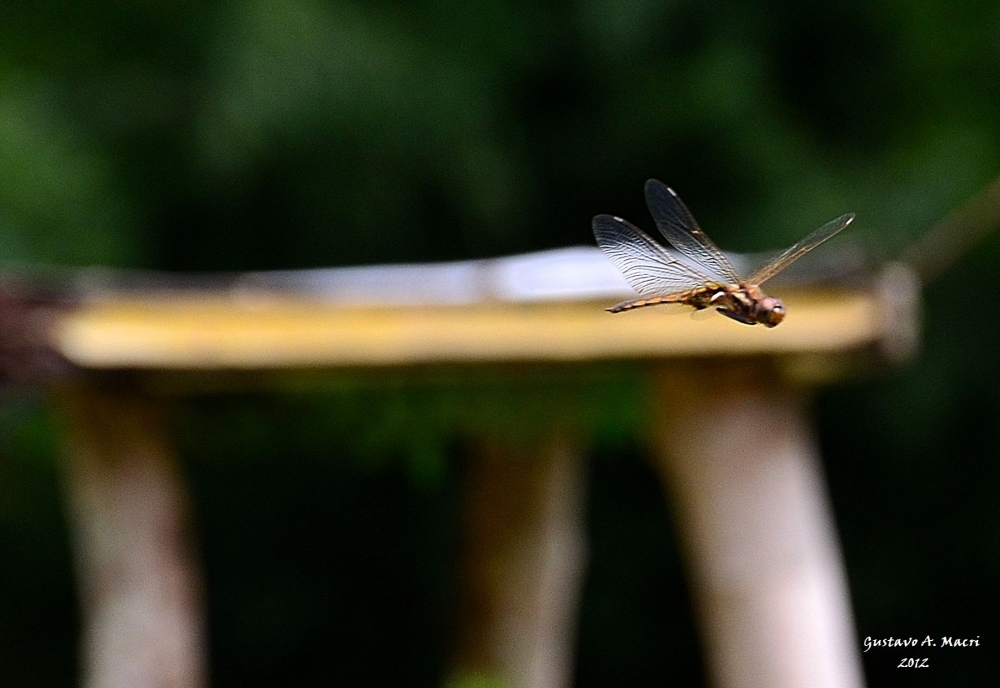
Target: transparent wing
677 224
793 253
646 265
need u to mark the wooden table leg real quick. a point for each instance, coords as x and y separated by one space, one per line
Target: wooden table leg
129 515
522 566
741 466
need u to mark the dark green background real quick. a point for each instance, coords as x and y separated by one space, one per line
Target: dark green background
291 134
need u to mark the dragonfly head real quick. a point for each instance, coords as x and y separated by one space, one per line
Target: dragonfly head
770 311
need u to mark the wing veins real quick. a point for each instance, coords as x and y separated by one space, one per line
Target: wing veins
799 249
679 227
648 267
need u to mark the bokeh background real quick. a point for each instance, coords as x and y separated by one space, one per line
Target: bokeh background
249 135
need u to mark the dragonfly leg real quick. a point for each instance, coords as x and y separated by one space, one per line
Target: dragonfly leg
736 316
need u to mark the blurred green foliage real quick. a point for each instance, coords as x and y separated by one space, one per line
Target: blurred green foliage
297 133
250 135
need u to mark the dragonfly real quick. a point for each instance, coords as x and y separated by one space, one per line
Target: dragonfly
696 273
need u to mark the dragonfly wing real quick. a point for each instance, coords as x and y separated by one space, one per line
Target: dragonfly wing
677 224
796 251
648 267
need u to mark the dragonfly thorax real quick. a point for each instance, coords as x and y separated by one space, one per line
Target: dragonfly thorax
749 305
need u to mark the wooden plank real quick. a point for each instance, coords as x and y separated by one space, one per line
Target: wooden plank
547 307
218 331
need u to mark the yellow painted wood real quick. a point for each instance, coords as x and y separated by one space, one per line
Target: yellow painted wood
204 331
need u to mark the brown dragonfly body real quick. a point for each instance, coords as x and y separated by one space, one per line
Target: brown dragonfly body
745 303
696 273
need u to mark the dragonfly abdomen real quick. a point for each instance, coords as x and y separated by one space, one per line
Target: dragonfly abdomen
652 301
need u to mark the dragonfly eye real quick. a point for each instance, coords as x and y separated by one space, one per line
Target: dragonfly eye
771 312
